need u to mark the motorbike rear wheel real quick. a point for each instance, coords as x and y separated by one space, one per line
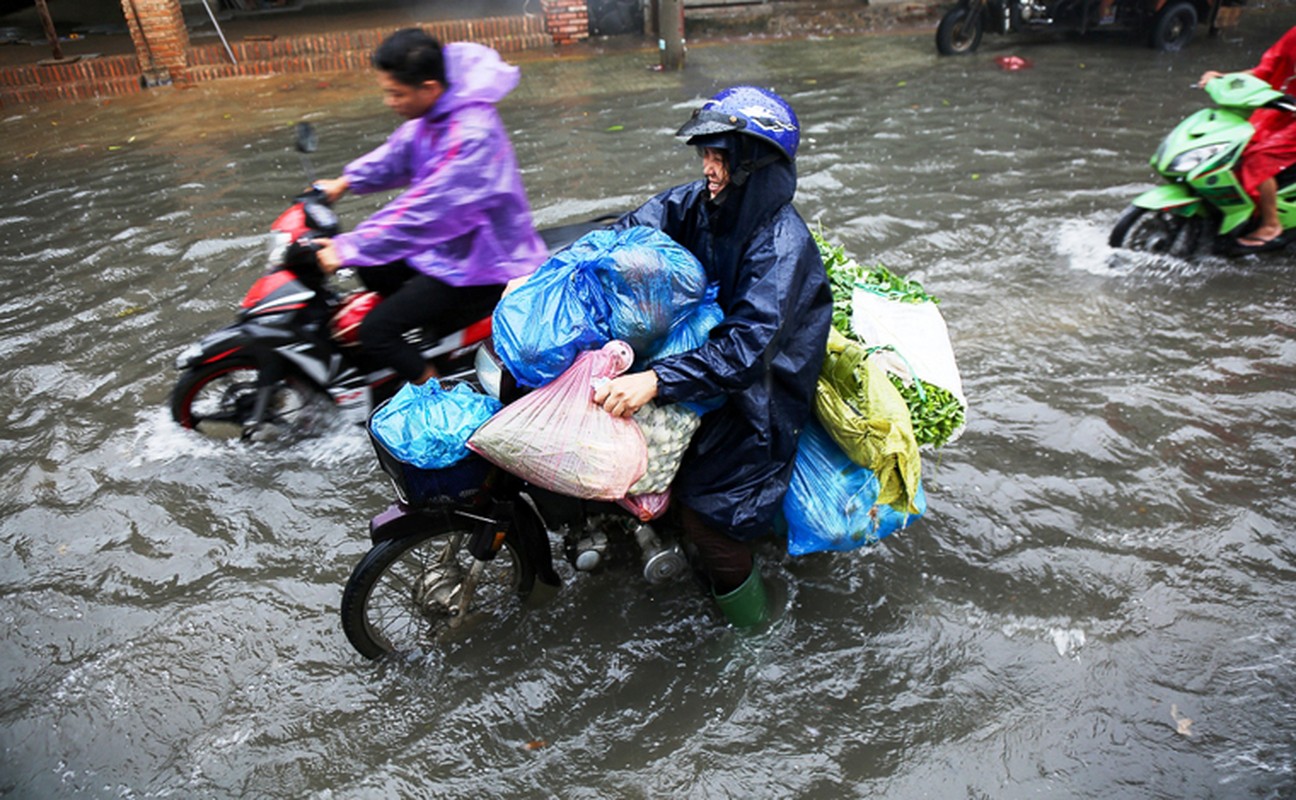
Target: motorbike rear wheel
218 400
1160 232
1173 28
956 35
406 594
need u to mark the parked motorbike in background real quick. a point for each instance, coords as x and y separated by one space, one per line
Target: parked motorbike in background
468 541
1165 24
290 358
1199 160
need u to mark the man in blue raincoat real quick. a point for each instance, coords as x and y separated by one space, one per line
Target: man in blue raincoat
441 252
763 358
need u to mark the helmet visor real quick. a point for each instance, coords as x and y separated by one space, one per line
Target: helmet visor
705 122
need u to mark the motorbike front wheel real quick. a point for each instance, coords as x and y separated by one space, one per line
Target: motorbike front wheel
957 34
406 594
219 399
1158 232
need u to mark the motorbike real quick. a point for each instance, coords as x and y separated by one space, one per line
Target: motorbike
463 543
1167 25
1199 160
290 358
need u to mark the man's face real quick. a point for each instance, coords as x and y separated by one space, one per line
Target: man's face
411 102
715 168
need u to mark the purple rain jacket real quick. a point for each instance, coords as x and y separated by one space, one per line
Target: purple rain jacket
465 218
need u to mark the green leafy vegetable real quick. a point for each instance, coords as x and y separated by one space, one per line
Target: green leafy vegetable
935 412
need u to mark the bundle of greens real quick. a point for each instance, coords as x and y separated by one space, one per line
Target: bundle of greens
936 413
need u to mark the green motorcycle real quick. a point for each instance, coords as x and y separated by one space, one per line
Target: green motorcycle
1200 160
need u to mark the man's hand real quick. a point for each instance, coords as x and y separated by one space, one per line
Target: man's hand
1208 76
623 396
327 255
333 189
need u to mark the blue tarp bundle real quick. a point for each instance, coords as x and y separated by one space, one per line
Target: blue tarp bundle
831 503
428 426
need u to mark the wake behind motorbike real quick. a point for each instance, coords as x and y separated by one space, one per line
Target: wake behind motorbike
1166 25
464 543
290 359
1203 192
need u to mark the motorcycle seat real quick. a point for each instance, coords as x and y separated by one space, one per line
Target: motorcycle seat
558 237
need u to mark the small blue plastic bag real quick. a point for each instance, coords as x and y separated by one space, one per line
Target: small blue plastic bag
831 503
428 426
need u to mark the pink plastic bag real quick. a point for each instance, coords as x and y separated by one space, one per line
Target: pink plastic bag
558 439
646 507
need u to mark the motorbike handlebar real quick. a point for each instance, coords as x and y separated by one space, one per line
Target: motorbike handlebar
304 252
313 194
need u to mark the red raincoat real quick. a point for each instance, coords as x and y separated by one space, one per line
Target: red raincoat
1273 147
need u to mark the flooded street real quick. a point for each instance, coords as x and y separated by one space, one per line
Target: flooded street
1100 602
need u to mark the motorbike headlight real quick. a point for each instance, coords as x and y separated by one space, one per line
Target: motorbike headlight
1192 159
490 372
278 251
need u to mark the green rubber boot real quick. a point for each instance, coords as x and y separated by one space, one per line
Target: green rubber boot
745 606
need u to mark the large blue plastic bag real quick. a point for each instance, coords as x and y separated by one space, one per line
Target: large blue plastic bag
689 333
428 426
649 282
831 503
539 328
633 285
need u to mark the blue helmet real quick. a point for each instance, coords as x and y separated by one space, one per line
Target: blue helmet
747 110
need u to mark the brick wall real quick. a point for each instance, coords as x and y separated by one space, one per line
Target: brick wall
106 76
157 28
566 21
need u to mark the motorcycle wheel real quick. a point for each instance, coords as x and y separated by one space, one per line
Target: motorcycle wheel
1158 232
955 37
218 400
403 596
1173 27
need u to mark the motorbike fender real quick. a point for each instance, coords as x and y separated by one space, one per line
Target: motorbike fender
1172 197
398 521
212 347
241 336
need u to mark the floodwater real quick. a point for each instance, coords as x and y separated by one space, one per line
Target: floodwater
1099 603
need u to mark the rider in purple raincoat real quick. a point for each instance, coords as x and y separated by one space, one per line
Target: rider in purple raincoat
441 252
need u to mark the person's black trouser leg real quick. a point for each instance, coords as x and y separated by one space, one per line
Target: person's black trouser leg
726 561
414 300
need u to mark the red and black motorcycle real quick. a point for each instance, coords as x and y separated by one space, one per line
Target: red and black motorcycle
289 360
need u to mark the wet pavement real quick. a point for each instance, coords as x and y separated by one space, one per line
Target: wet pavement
1097 604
